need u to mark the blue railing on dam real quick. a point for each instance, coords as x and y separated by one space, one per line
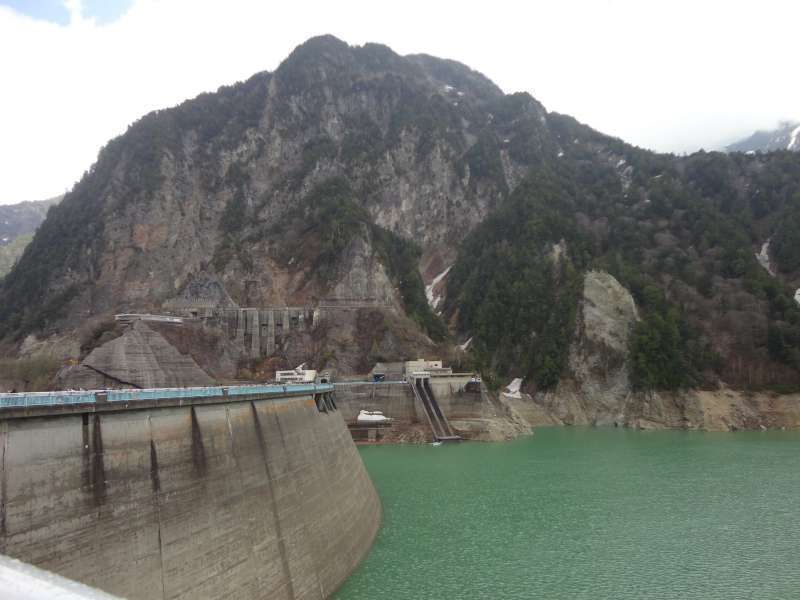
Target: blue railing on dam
132 395
346 383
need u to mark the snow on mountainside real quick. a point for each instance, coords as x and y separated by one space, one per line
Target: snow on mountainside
785 137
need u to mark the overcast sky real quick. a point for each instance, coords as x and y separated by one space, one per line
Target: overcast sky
669 75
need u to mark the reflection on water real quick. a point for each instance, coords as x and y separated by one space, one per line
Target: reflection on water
588 513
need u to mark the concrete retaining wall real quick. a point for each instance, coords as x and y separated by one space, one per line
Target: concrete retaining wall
254 499
454 401
395 400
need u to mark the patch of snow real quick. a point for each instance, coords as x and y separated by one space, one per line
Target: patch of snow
506 140
557 251
512 390
763 258
434 300
797 296
455 103
460 93
5 239
793 138
624 170
466 344
560 153
373 416
750 152
448 88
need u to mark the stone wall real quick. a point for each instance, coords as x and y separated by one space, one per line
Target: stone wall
255 499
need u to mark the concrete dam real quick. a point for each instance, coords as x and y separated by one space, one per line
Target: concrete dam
246 492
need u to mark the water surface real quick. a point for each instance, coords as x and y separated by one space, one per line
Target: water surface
587 513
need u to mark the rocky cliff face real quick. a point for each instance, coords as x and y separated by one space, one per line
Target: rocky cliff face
351 177
217 184
596 387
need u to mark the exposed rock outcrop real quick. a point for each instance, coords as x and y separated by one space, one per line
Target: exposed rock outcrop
202 291
714 410
140 358
596 389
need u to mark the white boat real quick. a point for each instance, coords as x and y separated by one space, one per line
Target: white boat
372 416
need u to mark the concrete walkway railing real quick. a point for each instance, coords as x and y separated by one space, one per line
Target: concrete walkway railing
131 395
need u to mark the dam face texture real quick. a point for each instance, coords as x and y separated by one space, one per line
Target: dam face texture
249 499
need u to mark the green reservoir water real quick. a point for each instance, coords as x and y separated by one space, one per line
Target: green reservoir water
587 513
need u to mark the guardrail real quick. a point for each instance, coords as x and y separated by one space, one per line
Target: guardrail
31 399
346 383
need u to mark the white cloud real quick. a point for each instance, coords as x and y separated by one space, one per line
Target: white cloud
672 75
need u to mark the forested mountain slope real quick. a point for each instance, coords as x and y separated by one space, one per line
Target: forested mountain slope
17 224
353 174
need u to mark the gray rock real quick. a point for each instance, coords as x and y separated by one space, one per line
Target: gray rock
143 358
596 389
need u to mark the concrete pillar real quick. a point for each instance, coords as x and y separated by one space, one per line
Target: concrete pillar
255 332
270 332
240 327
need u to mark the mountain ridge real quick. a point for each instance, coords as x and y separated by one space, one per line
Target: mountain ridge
357 169
18 222
785 137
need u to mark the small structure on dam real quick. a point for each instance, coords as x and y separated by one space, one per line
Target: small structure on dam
216 492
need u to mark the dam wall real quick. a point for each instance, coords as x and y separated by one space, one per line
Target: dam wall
245 498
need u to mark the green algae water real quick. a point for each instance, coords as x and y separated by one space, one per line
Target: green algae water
587 513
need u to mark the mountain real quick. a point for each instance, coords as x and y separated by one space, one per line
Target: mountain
351 178
17 224
785 137
24 217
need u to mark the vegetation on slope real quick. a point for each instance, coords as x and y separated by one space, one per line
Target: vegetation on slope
331 211
10 253
678 233
517 301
